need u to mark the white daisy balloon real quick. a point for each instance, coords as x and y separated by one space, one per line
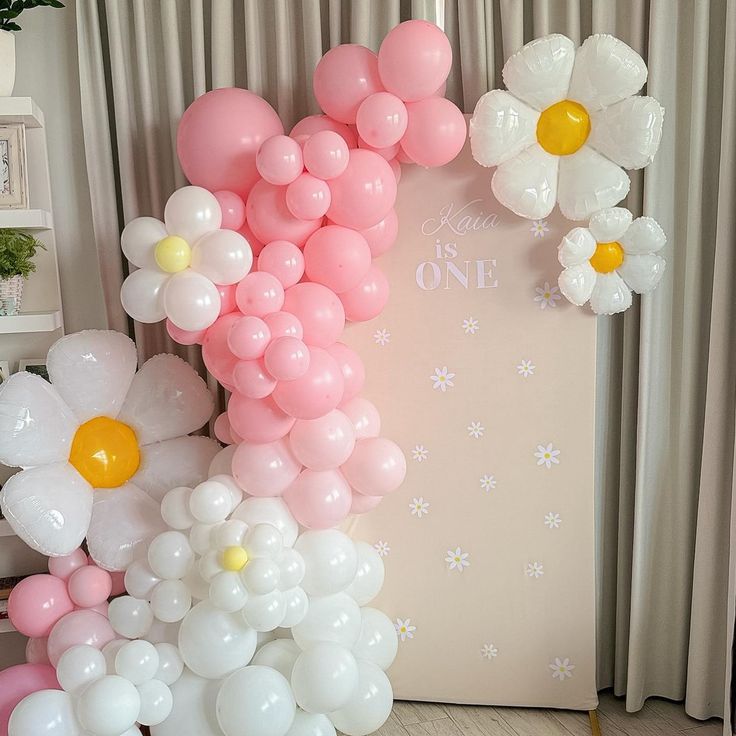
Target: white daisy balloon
566 126
96 443
181 261
604 262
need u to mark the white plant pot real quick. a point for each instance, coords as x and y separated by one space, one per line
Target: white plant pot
7 63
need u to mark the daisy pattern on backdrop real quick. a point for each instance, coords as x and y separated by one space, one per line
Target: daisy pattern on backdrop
382 548
420 453
526 368
539 228
534 570
552 520
547 295
475 430
547 455
382 337
489 651
457 560
488 482
404 629
442 379
470 326
419 507
561 668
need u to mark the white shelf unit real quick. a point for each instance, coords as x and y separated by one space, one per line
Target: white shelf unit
27 219
30 322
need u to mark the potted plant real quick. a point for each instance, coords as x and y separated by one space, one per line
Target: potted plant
9 12
17 250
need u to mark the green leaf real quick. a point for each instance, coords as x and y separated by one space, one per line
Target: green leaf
17 250
10 27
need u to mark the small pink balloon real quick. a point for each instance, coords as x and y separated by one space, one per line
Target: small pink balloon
233 209
326 154
255 245
287 358
319 311
376 467
381 120
218 359
353 370
279 160
312 124
90 586
252 379
118 582
337 257
79 627
283 260
36 653
382 236
284 324
258 420
403 158
36 603
368 298
436 132
395 165
19 681
389 152
308 197
222 429
63 567
362 504
227 298
319 499
248 337
364 415
324 443
259 293
184 337
266 469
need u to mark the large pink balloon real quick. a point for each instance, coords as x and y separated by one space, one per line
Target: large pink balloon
368 298
312 124
436 131
79 627
319 311
37 603
283 260
387 152
252 379
381 120
324 443
376 467
258 420
414 60
216 354
338 257
267 469
19 681
344 77
353 370
319 499
315 393
382 236
219 136
364 193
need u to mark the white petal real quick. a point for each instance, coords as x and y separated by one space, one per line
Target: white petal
628 132
142 295
166 399
577 282
92 371
191 212
610 224
48 507
501 127
191 301
606 71
139 239
183 461
124 520
589 182
643 236
610 294
642 273
527 183
223 256
576 247
36 426
540 72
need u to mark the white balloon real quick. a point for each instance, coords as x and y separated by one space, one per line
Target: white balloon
227 480
139 579
265 612
230 533
156 702
292 568
161 632
370 705
369 576
223 256
330 559
200 537
109 706
170 601
170 663
191 212
227 591
333 618
214 643
297 605
311 724
130 617
48 712
175 508
210 502
260 576
324 678
197 585
191 301
263 540
280 654
378 642
139 239
170 555
269 511
79 666
194 708
109 652
137 661
222 462
259 697
142 295
209 565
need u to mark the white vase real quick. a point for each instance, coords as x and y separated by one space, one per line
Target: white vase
7 63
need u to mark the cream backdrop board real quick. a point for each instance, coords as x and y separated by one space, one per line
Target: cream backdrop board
486 378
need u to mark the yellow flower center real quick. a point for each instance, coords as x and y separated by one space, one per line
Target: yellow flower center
172 254
105 452
607 257
233 559
563 128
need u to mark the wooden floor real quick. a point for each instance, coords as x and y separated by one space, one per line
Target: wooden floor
658 718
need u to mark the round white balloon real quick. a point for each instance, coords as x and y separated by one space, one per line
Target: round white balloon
280 654
142 295
370 705
311 724
191 212
330 560
269 511
139 579
170 601
175 508
79 666
156 702
170 663
44 712
227 591
170 555
265 612
191 301
137 661
333 618
130 617
378 641
297 605
210 502
193 710
324 678
109 706
369 576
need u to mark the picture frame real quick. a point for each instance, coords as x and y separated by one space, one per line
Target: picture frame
37 366
4 370
13 169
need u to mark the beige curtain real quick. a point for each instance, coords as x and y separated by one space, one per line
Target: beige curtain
666 403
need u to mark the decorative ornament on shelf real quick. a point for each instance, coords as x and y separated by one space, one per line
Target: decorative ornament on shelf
17 250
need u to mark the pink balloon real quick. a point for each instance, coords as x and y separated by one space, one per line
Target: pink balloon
326 154
368 298
36 652
362 504
101 608
279 160
36 603
90 586
414 59
353 370
307 127
287 358
364 193
248 337
255 245
395 165
283 260
63 567
118 582
364 416
222 429
382 236
79 627
308 197
19 681
324 443
258 420
216 354
376 467
252 379
388 152
233 209
344 77
266 469
403 158
227 298
338 257
381 119
269 217
259 293
284 324
319 310
316 392
184 337
436 131
319 499
219 135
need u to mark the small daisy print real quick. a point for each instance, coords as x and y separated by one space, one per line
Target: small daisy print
382 548
404 629
539 228
547 455
488 651
470 326
475 430
457 560
547 295
442 379
534 570
382 337
525 368
552 520
420 453
561 668
419 507
488 482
